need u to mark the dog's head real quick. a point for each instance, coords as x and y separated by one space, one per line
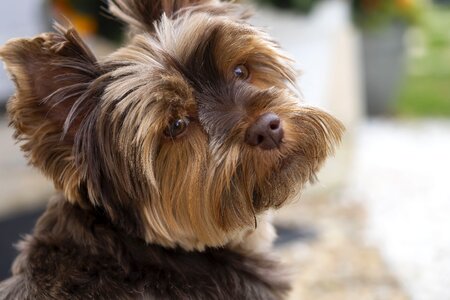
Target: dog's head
184 135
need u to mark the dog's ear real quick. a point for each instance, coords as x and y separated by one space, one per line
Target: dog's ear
140 15
53 74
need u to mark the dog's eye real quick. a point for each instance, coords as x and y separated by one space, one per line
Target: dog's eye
241 72
176 127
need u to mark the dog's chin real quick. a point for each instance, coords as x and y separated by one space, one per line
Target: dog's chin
282 184
297 165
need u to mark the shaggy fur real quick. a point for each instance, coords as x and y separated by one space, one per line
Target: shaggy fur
143 214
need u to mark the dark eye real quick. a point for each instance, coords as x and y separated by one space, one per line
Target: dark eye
241 72
176 127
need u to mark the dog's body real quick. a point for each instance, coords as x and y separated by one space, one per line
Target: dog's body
167 154
101 262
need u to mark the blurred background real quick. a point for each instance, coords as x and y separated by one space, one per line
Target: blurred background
376 224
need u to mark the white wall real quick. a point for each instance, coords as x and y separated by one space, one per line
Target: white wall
18 18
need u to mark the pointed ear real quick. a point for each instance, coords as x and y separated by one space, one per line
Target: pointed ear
141 14
53 74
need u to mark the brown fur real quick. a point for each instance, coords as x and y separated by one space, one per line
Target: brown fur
83 256
96 128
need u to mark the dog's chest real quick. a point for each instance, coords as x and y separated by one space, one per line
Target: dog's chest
216 274
67 273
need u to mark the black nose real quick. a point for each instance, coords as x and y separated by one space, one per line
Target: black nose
266 132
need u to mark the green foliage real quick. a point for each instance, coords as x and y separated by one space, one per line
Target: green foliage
303 6
426 91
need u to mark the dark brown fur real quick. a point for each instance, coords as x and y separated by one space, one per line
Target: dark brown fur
86 257
141 215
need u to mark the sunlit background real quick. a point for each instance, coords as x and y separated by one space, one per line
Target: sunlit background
376 224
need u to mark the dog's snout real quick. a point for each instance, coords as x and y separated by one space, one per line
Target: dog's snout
266 133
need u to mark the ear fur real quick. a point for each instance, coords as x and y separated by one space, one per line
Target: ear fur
52 73
140 15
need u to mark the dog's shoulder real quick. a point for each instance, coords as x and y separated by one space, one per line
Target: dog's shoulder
74 254
62 271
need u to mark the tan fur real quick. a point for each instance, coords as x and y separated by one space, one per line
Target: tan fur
202 189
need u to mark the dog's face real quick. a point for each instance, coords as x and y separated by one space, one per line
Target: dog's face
184 135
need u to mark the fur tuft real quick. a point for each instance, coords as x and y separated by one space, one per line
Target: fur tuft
53 74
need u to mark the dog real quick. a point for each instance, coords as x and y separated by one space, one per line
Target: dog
166 155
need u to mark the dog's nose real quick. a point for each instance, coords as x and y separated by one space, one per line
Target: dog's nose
266 132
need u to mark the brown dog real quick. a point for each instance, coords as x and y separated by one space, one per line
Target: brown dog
166 155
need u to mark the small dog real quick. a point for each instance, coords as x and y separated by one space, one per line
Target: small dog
166 155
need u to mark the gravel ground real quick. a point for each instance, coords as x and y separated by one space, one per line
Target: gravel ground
401 175
337 264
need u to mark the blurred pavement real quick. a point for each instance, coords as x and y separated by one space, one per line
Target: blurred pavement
401 176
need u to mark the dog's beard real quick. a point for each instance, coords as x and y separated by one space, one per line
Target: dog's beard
212 189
